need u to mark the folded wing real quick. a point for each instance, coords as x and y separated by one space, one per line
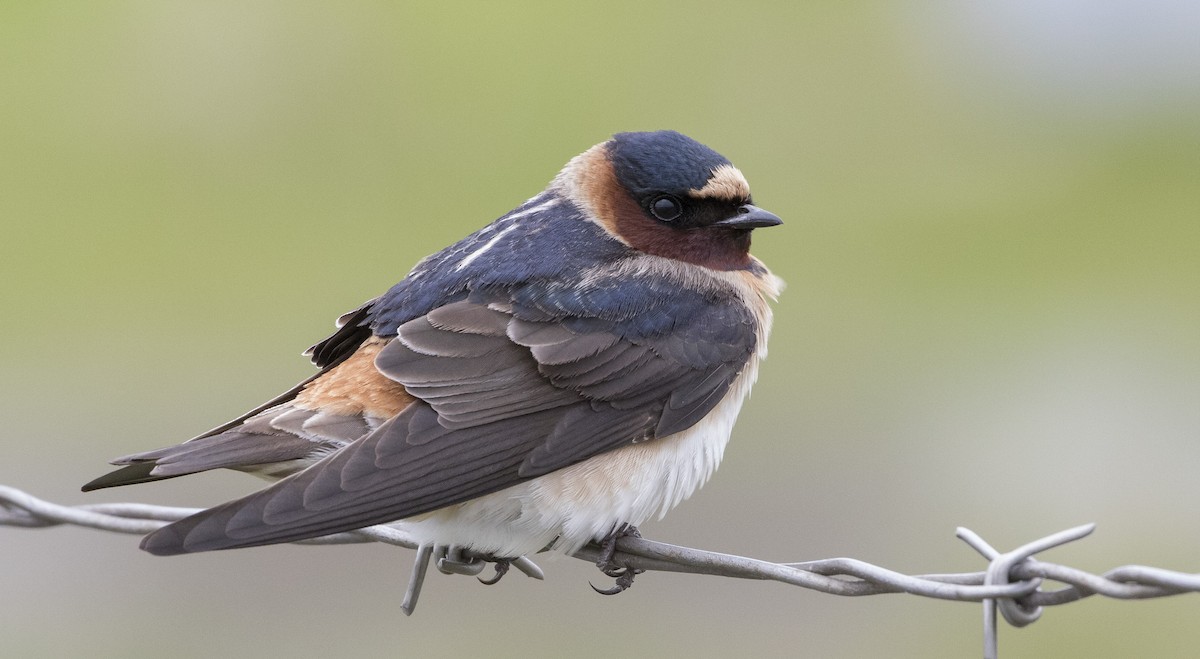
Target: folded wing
504 392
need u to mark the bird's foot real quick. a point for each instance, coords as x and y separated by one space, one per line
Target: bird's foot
608 548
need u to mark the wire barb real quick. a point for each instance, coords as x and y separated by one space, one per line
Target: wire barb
1017 611
1012 583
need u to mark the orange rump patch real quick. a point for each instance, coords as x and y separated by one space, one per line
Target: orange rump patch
356 387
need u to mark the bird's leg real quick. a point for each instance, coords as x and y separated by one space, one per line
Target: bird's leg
608 548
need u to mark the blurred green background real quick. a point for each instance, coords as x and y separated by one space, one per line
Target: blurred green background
992 245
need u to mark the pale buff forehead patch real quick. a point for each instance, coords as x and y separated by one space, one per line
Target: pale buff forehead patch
726 183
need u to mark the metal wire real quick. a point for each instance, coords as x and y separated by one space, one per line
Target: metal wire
1011 584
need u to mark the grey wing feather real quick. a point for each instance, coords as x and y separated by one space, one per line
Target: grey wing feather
500 400
474 378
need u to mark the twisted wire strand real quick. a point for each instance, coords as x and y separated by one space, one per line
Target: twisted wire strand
1013 581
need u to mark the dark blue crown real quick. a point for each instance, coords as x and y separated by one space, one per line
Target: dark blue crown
662 161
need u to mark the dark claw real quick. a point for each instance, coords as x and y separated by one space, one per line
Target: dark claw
606 591
502 565
623 583
608 549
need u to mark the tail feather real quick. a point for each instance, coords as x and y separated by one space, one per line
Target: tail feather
229 450
128 475
253 439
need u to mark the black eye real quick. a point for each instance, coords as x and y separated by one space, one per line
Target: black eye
666 208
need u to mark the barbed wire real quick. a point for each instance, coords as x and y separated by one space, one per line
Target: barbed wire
1012 583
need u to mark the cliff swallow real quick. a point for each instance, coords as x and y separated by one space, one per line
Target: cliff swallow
571 369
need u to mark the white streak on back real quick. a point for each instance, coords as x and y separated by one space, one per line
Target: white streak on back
486 246
531 210
508 221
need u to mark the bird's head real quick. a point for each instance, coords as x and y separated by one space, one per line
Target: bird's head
666 194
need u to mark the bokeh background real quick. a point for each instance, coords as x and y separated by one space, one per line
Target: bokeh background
992 248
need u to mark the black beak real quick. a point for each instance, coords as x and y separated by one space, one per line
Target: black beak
750 217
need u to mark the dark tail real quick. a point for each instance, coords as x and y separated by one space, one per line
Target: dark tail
127 475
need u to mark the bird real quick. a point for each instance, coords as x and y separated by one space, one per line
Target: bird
560 376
